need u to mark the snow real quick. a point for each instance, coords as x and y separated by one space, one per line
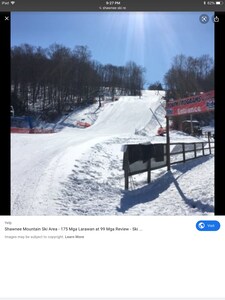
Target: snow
78 171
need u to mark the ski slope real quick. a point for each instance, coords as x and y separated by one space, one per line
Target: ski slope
126 115
79 171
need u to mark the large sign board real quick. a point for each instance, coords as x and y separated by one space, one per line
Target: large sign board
139 158
195 104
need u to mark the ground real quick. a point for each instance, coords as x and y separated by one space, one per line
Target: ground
78 171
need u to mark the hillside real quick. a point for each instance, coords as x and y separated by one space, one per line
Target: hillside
78 171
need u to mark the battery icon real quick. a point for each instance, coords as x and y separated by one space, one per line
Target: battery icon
219 2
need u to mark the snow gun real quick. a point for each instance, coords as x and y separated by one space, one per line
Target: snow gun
161 130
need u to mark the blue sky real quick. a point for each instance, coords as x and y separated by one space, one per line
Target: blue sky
151 39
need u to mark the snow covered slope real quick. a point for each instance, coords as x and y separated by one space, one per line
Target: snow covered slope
128 114
79 171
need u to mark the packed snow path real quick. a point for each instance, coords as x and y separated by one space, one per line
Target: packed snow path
79 171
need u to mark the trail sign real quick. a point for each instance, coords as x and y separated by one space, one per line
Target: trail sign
195 104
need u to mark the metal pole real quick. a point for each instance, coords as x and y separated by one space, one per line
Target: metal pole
167 144
126 169
183 150
209 136
149 171
126 179
155 117
192 131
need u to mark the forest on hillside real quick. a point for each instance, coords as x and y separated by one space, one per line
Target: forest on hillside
189 76
50 81
47 82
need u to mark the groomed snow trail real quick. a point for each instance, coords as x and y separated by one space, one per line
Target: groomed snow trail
79 171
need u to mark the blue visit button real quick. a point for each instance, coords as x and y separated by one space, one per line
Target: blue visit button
206 225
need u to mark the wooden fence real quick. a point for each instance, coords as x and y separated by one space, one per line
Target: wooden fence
140 158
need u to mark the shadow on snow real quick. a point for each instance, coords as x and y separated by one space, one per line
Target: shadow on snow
152 191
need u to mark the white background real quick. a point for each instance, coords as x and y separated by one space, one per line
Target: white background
167 258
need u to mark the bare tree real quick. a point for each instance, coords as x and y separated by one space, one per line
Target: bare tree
188 76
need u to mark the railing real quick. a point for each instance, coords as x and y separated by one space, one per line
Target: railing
188 151
140 158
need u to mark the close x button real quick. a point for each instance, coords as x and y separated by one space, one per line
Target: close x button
208 225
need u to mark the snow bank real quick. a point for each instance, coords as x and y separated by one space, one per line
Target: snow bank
79 171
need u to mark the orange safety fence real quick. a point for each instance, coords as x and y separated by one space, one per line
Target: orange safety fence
83 124
29 130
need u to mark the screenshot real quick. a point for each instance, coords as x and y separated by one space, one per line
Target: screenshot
112 149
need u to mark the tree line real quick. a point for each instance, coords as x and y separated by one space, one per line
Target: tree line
53 79
48 80
189 76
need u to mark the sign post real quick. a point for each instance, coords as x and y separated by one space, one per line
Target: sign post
167 143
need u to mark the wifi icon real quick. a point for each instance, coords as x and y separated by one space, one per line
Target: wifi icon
12 2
